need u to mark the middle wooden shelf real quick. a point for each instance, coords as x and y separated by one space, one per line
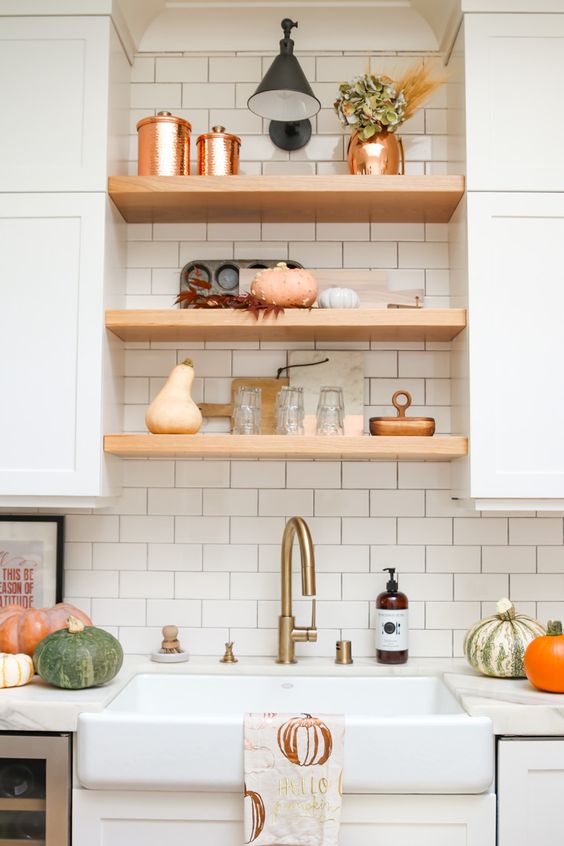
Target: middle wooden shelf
296 324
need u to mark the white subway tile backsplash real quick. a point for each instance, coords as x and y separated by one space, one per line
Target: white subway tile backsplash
349 503
174 556
369 530
201 585
258 474
201 529
174 501
238 503
285 503
119 556
485 531
369 474
398 503
119 612
550 559
185 69
524 530
202 474
468 586
185 543
425 530
145 584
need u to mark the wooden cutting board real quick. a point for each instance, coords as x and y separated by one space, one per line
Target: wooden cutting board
269 390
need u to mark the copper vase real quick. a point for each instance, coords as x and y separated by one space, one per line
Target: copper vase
381 154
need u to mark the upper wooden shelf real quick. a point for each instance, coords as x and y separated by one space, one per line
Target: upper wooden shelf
437 448
436 324
276 199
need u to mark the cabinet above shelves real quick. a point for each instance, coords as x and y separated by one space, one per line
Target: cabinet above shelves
436 448
276 199
294 325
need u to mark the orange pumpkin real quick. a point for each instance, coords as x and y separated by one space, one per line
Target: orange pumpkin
544 659
257 815
21 629
287 287
305 741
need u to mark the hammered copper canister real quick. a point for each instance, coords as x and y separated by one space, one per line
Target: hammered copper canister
164 146
218 153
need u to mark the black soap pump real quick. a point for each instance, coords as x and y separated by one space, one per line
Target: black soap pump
391 623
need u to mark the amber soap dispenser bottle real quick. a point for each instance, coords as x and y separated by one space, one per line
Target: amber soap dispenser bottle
391 623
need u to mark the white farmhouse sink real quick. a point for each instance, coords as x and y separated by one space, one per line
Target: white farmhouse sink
185 732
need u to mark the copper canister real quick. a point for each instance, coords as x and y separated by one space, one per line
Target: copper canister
218 153
164 146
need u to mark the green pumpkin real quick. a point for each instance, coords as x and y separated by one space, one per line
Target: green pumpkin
78 656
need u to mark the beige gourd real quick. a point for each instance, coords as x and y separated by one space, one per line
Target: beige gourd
173 411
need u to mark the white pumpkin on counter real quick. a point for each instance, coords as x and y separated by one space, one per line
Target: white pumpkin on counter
338 298
173 411
15 670
496 646
287 287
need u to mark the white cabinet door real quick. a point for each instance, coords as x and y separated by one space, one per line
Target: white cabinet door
124 818
514 119
530 791
516 345
54 95
51 344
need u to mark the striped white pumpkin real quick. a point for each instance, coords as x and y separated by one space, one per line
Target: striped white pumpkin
15 670
496 646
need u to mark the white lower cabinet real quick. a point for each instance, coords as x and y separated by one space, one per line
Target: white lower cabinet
530 791
123 818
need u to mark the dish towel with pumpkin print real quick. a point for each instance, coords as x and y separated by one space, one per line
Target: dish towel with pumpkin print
293 779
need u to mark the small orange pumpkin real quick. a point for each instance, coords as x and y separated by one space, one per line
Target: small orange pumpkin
21 629
257 815
305 741
287 287
544 659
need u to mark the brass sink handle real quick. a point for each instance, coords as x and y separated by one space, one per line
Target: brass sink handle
228 657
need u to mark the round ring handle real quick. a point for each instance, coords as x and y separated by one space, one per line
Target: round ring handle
401 407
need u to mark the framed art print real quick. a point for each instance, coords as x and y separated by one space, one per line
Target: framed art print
31 560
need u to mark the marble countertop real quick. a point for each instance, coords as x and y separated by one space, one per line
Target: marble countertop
513 705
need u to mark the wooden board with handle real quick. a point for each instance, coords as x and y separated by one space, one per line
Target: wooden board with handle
269 390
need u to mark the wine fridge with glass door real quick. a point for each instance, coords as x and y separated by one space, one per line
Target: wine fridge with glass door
35 789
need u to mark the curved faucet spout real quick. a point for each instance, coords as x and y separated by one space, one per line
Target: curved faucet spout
288 632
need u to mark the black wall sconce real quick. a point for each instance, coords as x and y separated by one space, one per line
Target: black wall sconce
285 97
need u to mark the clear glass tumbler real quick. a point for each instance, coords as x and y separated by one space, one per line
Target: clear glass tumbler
247 411
330 411
290 411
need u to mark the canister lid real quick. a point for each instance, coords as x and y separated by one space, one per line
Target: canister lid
164 117
219 132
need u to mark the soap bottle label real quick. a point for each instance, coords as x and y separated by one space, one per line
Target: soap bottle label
391 630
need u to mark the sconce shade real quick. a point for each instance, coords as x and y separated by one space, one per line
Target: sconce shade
284 93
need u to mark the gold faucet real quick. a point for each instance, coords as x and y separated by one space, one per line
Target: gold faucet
288 632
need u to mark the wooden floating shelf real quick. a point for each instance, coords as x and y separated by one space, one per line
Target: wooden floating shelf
436 448
276 199
294 325
14 803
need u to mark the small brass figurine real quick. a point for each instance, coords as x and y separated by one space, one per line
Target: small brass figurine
170 642
228 657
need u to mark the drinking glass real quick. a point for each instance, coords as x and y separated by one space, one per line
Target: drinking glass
247 411
330 411
290 411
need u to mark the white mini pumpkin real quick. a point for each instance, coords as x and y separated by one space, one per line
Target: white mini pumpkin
15 670
496 646
338 298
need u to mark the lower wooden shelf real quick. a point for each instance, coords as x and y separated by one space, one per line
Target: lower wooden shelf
436 448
